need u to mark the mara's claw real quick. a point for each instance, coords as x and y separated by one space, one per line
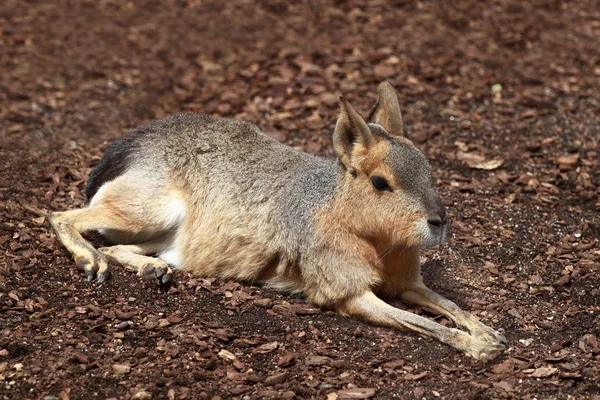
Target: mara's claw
93 267
90 275
167 279
157 272
103 276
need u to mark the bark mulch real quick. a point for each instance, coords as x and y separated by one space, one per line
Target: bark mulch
502 96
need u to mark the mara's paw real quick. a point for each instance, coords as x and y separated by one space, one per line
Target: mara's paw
478 348
157 271
94 266
486 351
486 334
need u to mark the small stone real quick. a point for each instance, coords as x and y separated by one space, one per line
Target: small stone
227 355
142 395
163 323
121 326
121 369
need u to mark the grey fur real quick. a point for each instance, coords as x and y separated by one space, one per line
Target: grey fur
211 147
318 185
415 175
411 166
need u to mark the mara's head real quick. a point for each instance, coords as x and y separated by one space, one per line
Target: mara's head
386 191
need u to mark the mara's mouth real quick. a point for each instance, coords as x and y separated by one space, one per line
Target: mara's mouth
432 236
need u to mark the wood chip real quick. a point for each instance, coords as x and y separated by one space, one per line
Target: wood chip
544 372
358 393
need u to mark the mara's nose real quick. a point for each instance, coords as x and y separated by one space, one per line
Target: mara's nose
438 219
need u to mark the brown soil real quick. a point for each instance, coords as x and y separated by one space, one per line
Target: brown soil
479 81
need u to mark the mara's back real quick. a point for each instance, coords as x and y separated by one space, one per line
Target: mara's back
227 191
195 147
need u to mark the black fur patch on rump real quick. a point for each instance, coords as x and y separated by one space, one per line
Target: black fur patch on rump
114 163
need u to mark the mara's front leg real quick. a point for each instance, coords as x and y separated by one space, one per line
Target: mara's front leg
421 295
403 279
370 308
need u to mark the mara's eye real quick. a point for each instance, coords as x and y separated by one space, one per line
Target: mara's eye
380 183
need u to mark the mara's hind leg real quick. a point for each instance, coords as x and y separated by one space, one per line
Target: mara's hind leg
135 257
68 226
127 211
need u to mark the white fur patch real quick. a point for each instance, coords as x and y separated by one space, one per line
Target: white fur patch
173 213
96 198
172 256
99 195
173 217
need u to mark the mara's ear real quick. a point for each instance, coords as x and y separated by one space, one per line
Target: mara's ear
350 130
386 111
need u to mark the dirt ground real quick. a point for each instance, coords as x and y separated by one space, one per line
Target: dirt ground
502 96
